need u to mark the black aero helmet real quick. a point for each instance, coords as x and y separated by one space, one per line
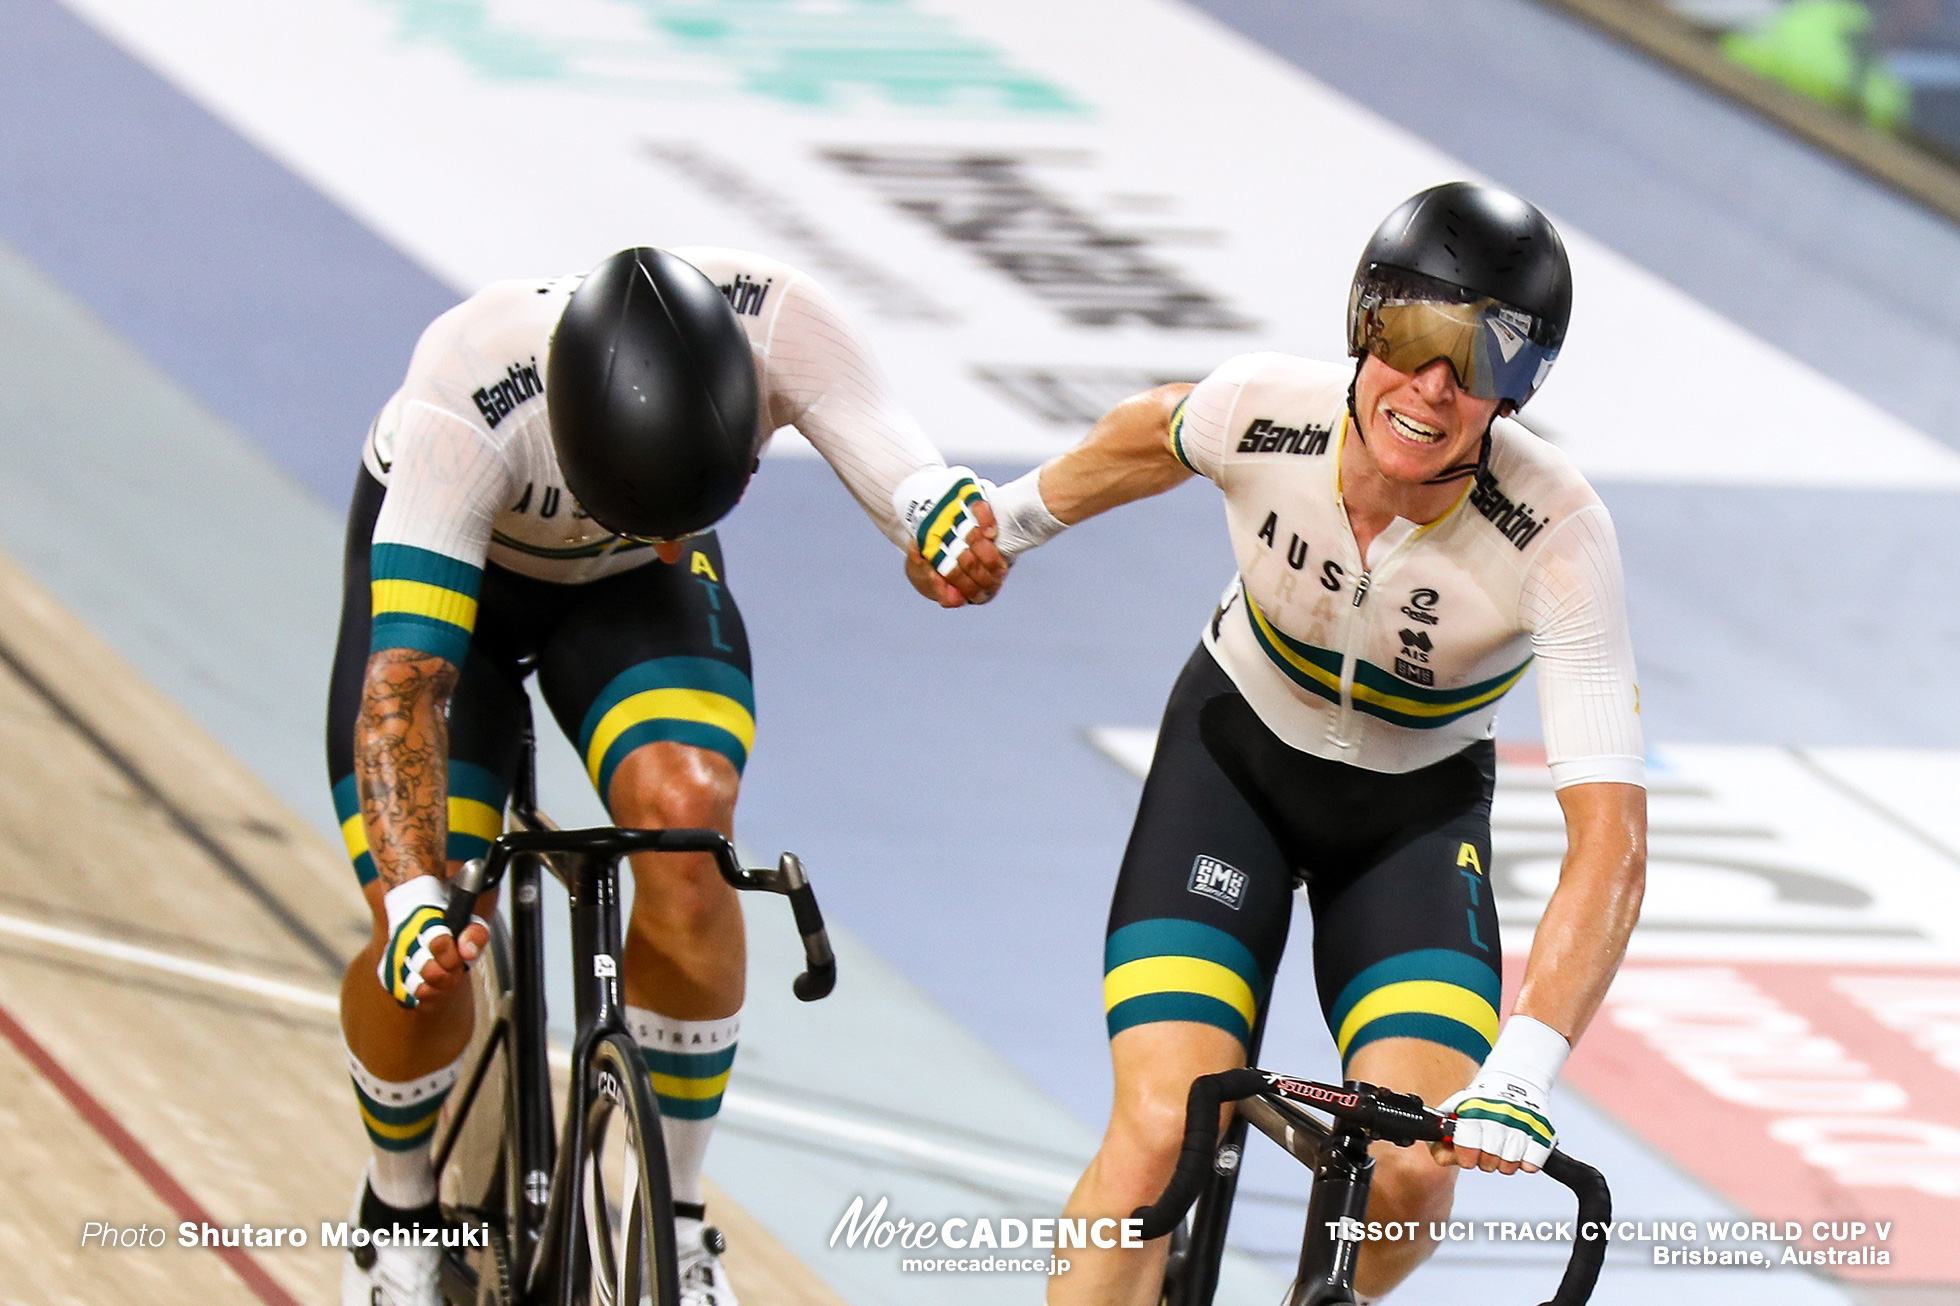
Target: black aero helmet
1467 273
652 394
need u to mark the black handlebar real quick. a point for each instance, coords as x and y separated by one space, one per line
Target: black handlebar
1195 1159
1595 1213
787 878
1380 1114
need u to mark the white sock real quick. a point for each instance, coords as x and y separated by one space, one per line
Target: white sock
688 1061
401 1124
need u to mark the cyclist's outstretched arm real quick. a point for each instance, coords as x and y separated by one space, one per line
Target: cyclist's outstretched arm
1125 457
821 376
1149 443
1132 453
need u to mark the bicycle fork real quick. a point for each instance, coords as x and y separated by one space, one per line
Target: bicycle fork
1340 1191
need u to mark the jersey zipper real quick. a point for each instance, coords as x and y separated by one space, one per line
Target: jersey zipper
1364 579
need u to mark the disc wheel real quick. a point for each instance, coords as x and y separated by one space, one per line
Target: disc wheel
625 1204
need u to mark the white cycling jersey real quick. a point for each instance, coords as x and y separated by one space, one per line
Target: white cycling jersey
1397 660
465 445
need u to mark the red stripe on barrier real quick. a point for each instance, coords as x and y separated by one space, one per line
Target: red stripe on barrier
138 1157
1827 1095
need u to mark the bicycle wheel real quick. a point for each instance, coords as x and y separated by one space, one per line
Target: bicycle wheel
474 1186
625 1203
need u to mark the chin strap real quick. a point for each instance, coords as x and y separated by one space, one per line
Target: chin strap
1455 473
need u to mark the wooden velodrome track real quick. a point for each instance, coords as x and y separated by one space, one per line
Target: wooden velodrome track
170 940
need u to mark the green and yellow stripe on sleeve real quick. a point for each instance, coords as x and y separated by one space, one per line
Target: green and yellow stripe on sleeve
476 816
422 600
1177 435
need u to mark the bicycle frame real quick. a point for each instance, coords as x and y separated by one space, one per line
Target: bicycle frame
542 1197
1343 1173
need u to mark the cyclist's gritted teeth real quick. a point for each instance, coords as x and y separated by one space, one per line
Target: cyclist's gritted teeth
1410 429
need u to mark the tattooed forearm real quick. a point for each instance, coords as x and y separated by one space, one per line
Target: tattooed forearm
401 751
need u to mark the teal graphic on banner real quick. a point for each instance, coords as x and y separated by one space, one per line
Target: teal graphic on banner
816 54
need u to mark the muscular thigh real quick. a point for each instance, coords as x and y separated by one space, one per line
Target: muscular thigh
656 655
1204 898
1405 942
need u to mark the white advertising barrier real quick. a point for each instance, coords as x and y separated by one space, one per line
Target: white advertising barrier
1036 208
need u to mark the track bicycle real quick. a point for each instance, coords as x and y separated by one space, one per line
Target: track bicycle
584 1215
1338 1156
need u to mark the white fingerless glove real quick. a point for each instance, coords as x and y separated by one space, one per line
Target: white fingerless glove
1503 1112
414 921
1021 514
936 506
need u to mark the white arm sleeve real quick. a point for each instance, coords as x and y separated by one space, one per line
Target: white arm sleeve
824 381
1574 604
445 488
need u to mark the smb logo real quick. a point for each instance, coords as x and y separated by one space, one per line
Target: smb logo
1211 878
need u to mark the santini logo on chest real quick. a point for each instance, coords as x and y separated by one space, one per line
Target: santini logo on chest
1264 437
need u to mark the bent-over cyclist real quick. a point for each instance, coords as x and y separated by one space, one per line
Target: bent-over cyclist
539 495
1404 551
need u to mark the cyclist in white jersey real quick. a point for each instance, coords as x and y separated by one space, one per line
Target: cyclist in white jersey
1404 551
537 497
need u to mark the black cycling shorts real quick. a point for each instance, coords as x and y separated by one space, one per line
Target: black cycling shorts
655 653
1233 819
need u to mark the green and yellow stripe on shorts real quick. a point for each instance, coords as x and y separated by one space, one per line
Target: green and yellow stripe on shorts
683 700
1433 993
422 600
1169 969
476 816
